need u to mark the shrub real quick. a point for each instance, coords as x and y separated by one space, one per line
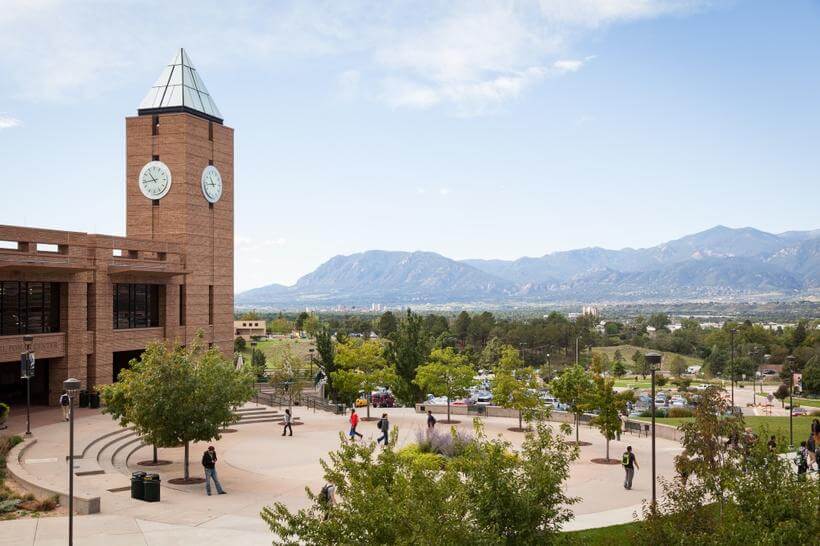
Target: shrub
4 411
449 444
680 412
422 460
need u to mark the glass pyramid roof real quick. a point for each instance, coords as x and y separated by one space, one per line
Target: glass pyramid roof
180 87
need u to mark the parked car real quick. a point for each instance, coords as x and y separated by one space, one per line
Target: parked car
796 412
482 397
382 399
436 400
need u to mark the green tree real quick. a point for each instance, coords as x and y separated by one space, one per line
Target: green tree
172 396
641 365
311 325
287 376
659 320
811 376
461 326
327 357
258 362
572 387
280 325
782 393
407 351
618 369
491 354
239 344
610 405
300 320
361 366
250 315
600 363
491 497
514 385
387 324
678 366
446 373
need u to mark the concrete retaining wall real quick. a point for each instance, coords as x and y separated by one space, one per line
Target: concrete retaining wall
83 504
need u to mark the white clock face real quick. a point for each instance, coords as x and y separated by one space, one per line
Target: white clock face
155 180
211 184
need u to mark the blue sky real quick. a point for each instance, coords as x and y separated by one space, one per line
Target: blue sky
473 129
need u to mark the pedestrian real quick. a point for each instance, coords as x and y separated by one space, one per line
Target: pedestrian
815 429
209 463
772 444
384 426
65 404
811 448
327 499
630 463
431 421
354 422
802 459
288 423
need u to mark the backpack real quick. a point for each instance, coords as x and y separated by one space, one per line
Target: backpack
625 458
64 400
324 494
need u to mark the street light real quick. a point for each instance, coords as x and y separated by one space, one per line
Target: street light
654 361
549 368
733 331
755 354
311 361
71 387
790 359
27 372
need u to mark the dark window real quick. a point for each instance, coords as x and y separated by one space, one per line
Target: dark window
136 306
210 130
210 305
29 308
154 125
90 312
182 304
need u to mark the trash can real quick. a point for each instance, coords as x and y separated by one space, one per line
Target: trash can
151 487
340 409
93 399
83 399
137 485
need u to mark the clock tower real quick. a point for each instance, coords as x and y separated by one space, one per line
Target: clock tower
179 189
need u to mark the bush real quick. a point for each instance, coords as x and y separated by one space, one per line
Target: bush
680 412
4 411
449 444
422 460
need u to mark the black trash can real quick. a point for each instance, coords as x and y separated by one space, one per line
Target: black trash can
137 485
93 399
151 487
83 399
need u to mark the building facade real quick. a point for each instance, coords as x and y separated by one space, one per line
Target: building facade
92 302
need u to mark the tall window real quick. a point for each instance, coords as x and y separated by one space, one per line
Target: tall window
29 308
182 305
210 304
136 305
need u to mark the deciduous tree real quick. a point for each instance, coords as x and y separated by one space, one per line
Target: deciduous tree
572 387
446 373
514 385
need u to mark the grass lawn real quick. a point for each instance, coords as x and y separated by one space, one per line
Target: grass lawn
274 347
628 350
809 402
615 535
779 426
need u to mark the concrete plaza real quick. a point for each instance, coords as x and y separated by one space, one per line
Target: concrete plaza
257 467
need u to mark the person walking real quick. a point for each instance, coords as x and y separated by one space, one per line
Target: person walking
630 463
801 460
327 499
354 422
288 422
772 444
65 403
384 426
209 463
431 421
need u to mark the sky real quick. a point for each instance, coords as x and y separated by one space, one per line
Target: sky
472 129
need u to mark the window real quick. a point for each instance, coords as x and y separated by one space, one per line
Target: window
29 308
136 306
211 131
90 311
210 304
182 303
155 125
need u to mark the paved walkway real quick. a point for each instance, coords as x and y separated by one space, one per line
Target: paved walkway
258 466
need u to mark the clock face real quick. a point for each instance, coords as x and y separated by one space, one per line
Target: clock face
155 180
211 184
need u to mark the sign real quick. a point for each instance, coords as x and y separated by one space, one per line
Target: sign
26 365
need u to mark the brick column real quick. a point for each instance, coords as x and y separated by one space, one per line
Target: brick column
73 322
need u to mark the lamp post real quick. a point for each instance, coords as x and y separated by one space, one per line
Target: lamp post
71 387
732 333
790 359
549 368
577 339
27 371
755 353
311 361
654 361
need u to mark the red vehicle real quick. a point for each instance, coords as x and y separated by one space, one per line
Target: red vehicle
382 400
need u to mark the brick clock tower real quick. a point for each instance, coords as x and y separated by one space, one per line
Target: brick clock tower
179 189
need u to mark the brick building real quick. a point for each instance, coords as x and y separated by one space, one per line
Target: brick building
92 302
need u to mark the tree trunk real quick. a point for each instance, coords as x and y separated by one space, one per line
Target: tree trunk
368 408
448 408
607 448
155 454
186 475
519 420
577 426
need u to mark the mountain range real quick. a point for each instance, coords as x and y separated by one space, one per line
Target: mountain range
717 264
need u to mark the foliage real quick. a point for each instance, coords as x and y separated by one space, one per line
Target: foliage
782 393
362 367
250 315
641 365
811 376
387 325
514 384
311 325
408 350
572 387
679 412
327 356
280 325
446 373
176 395
287 376
450 444
258 362
239 344
488 497
299 323
618 369
610 405
678 366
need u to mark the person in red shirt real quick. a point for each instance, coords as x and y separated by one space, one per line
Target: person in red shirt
354 422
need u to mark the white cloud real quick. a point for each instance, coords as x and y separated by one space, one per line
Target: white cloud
8 122
444 191
461 54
